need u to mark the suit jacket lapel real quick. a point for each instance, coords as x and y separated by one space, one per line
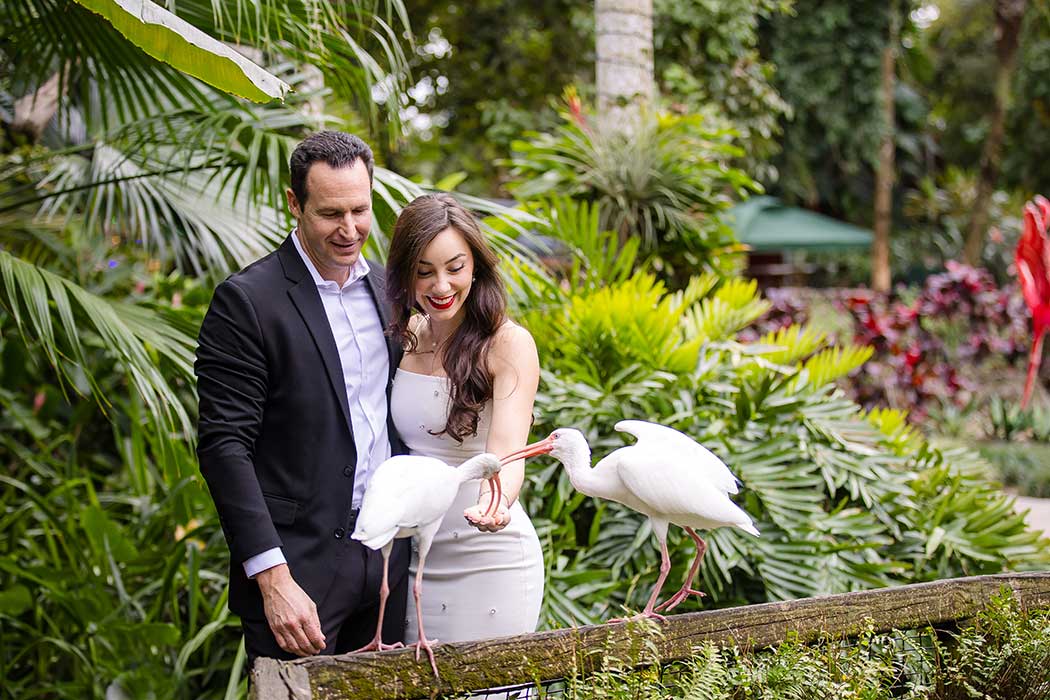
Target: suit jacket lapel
307 301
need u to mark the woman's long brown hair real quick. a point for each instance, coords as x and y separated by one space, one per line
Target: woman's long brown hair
466 352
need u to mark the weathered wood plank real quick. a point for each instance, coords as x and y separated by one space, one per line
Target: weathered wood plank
276 680
556 654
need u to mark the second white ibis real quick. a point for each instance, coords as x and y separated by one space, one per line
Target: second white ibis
408 496
666 475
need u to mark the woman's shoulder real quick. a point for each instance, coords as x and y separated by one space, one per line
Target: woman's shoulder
513 337
513 344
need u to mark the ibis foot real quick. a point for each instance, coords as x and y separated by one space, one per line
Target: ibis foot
672 602
378 645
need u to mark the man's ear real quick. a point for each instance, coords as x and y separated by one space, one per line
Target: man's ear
293 203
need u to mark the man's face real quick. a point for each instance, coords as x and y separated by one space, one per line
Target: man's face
336 219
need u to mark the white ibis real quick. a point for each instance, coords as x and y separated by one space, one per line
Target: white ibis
407 497
666 475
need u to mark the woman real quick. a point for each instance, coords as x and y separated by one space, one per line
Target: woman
466 385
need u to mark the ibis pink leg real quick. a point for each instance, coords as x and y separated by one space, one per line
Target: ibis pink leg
423 642
384 591
665 568
685 591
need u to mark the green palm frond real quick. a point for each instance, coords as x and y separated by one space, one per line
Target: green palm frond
789 569
62 316
96 64
179 216
598 255
895 428
788 487
628 324
794 342
734 306
696 289
835 363
167 38
357 48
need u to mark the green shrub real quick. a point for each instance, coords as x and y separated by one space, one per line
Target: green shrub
844 499
112 564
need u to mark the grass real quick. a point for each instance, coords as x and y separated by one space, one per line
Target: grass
1021 466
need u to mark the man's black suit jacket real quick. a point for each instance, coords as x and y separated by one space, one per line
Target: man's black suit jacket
275 440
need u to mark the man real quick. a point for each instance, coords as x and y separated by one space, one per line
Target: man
293 375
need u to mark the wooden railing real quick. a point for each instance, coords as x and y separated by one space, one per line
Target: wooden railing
548 656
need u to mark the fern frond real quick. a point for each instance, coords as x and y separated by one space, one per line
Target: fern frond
732 308
698 288
708 675
834 363
796 342
893 424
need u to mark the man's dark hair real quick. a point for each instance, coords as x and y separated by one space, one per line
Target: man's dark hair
336 148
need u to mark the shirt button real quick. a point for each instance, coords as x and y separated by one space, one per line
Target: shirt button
339 532
348 471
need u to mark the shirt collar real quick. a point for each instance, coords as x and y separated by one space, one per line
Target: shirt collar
357 271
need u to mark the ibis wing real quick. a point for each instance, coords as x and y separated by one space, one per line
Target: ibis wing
404 492
656 437
675 489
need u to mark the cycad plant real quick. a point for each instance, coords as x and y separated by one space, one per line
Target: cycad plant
844 499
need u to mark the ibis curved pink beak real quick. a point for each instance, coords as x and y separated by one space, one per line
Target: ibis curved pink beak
541 447
496 489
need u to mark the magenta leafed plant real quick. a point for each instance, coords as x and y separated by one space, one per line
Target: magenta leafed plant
913 366
1033 269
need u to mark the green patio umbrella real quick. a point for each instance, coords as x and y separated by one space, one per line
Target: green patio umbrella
767 224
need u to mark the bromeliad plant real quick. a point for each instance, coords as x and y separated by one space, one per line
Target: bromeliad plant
666 184
1033 269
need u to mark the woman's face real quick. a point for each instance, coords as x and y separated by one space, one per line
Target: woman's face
443 276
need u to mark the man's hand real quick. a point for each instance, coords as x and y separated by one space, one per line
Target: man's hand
290 612
475 515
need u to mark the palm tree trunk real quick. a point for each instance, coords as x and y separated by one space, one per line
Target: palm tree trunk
624 30
881 277
1009 17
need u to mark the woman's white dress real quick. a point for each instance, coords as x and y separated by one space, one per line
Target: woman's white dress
476 584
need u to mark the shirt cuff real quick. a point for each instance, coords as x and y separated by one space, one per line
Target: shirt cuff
261 562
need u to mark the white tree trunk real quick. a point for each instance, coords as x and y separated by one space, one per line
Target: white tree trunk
624 30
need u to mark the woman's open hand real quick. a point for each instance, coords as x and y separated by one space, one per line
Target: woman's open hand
475 515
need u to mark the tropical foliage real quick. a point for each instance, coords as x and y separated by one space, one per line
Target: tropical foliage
113 565
844 499
707 55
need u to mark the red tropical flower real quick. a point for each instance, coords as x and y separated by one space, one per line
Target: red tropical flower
1033 269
